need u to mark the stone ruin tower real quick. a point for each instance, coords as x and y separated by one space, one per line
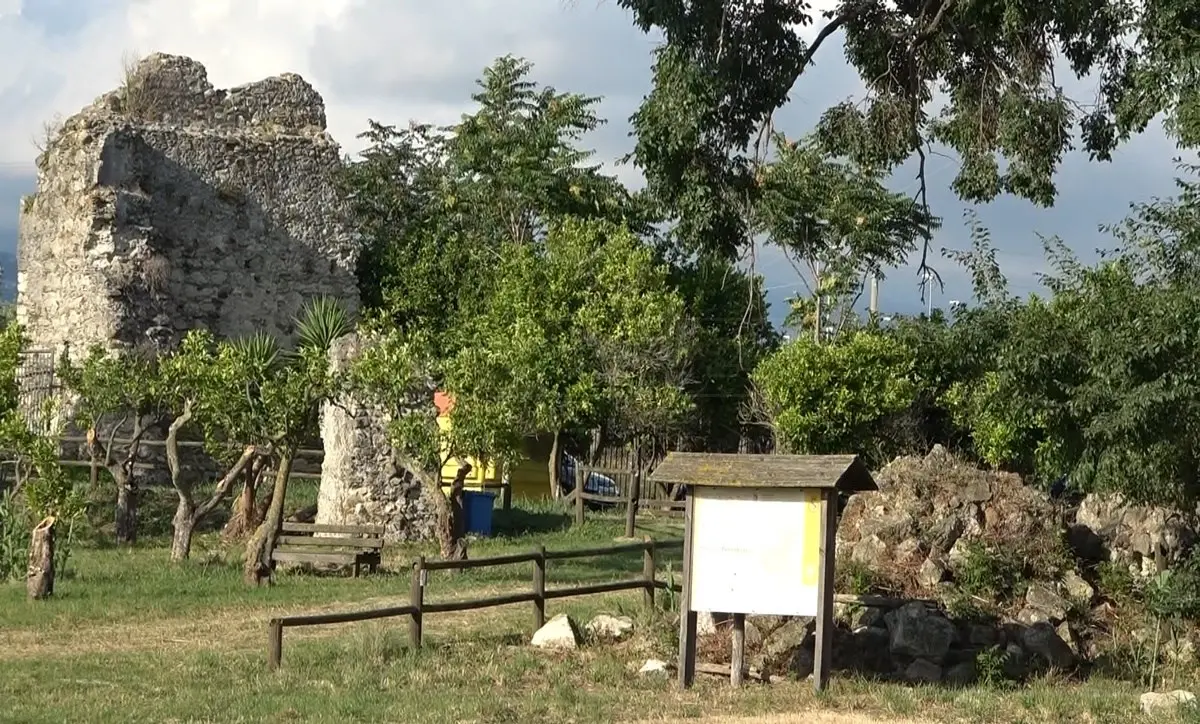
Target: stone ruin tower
168 205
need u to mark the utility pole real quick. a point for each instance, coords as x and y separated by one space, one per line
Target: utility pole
874 304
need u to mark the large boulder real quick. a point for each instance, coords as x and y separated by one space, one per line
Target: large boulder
920 632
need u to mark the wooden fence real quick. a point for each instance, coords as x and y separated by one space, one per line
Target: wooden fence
418 607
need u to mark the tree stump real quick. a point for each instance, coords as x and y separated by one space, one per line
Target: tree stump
39 577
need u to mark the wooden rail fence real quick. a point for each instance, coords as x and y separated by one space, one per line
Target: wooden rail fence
418 607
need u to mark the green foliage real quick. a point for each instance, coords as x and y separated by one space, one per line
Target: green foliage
827 398
725 69
1115 580
990 665
437 205
987 572
12 340
838 222
856 578
1175 592
732 333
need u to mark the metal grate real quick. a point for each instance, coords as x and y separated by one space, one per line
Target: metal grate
36 384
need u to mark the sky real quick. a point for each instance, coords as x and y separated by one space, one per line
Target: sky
399 60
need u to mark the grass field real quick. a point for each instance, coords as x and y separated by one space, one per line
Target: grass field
131 638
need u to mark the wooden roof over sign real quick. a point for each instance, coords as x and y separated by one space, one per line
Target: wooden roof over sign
843 472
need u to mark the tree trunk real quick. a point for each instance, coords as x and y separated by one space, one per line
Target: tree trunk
39 577
555 459
126 513
187 514
247 513
183 524
258 551
451 521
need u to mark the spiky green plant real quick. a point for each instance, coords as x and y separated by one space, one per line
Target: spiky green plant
321 321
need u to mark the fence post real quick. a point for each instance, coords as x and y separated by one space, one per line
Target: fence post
416 599
635 494
274 644
648 567
579 478
539 588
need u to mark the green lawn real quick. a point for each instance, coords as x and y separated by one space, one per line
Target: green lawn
129 637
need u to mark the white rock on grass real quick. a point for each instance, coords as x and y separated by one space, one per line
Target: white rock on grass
653 666
609 628
559 632
1156 703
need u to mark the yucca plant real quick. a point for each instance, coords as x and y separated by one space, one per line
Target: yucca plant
260 350
322 320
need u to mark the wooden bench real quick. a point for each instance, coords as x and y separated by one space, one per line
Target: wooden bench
351 545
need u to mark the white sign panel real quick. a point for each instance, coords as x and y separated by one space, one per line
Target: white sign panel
756 550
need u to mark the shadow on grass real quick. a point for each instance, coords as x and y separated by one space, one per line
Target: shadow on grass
522 521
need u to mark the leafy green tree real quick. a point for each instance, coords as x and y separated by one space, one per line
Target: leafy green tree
979 78
266 397
111 398
583 331
732 334
829 398
838 223
436 205
1093 381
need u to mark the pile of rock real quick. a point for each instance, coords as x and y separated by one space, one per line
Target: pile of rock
916 642
918 526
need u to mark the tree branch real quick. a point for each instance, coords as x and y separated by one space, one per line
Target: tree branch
172 445
832 27
226 483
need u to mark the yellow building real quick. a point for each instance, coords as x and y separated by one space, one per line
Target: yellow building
530 478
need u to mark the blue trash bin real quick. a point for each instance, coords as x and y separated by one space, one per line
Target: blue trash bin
477 508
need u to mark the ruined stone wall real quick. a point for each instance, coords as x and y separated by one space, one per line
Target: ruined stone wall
168 205
363 478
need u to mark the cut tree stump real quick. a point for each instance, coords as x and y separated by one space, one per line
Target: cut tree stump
39 577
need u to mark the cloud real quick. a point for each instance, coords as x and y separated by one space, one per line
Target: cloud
396 60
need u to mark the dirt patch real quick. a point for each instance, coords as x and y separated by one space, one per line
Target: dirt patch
228 629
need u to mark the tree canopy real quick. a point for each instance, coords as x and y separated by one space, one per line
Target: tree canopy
984 79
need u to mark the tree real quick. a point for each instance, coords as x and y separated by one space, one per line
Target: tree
838 222
828 398
270 398
732 333
1093 382
582 331
981 79
188 386
436 205
110 393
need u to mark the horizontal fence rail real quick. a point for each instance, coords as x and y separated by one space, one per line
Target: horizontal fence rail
538 595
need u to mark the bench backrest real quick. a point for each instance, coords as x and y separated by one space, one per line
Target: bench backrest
362 531
362 537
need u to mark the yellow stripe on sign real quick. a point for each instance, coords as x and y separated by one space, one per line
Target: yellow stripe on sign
810 571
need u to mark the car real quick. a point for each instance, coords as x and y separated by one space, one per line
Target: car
594 484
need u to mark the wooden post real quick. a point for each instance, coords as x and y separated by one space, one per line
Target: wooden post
539 589
506 493
738 658
634 492
416 599
687 617
579 478
648 569
39 576
823 654
274 644
94 473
